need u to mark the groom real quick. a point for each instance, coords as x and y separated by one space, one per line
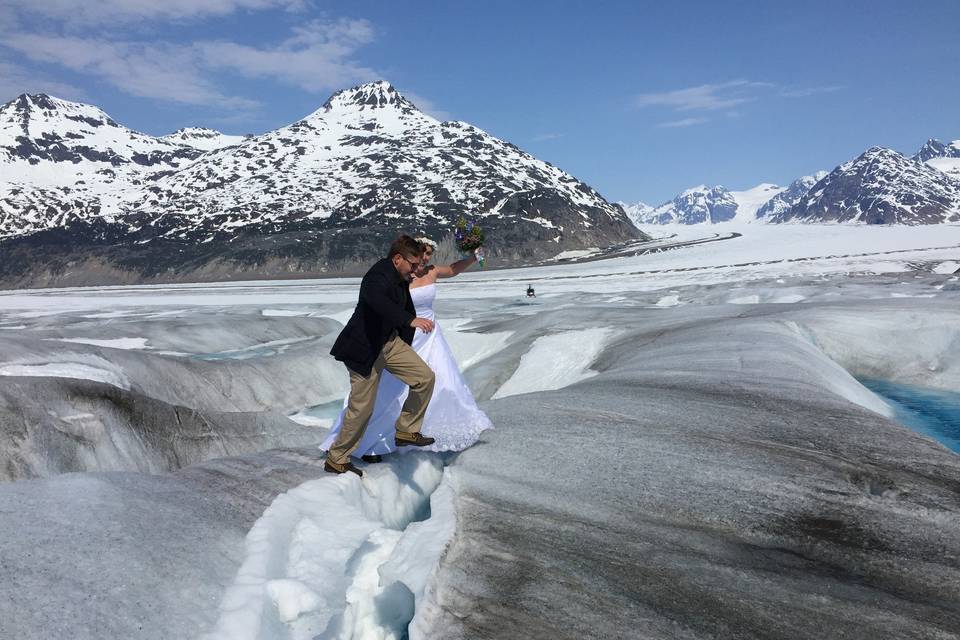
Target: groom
378 337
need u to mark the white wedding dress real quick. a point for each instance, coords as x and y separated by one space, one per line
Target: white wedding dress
453 418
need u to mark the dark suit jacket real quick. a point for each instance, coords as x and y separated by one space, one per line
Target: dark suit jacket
384 307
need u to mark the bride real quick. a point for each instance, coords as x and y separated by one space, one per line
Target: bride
453 418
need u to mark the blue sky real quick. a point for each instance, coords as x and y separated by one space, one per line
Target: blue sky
639 99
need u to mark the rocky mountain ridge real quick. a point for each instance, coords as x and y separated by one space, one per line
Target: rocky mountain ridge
881 186
324 194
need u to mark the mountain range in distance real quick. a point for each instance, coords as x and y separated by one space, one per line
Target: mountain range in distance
881 186
86 200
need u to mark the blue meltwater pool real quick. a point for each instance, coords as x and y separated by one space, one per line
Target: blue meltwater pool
932 412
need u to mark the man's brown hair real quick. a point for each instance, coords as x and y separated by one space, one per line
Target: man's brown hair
405 246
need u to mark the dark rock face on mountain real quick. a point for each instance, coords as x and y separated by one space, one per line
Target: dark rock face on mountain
84 200
781 203
38 128
937 149
880 187
693 206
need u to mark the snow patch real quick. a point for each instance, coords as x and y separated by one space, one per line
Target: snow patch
551 363
470 347
752 199
284 313
113 343
949 166
576 253
341 316
789 299
107 373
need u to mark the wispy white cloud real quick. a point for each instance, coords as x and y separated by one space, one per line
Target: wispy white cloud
547 136
16 79
719 97
317 57
92 38
685 122
73 14
704 97
159 70
803 92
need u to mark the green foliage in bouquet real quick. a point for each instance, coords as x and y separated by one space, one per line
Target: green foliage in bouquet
469 235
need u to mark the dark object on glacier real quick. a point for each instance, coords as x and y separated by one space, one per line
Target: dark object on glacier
530 292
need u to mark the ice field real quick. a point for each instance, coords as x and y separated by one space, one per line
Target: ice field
683 449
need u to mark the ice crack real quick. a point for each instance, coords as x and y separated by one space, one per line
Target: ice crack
344 558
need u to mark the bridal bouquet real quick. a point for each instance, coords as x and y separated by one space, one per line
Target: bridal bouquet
470 239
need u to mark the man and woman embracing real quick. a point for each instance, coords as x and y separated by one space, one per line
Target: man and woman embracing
405 387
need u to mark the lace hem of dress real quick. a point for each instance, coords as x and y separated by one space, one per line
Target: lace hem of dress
455 437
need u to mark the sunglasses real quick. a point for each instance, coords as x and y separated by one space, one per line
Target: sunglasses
411 262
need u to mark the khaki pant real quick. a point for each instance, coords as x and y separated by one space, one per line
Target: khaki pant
401 360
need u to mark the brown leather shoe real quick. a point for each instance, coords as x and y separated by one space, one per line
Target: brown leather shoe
372 458
334 467
412 439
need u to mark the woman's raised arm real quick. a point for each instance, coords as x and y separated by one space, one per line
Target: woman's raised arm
455 268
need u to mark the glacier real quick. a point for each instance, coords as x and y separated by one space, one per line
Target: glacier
683 450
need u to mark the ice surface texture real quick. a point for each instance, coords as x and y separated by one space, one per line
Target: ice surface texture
68 405
703 469
719 477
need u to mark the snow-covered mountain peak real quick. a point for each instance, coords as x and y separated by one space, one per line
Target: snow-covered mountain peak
700 188
784 199
700 204
50 141
364 97
880 159
367 161
880 186
942 156
934 148
32 114
194 132
878 154
638 212
706 204
63 161
203 138
750 200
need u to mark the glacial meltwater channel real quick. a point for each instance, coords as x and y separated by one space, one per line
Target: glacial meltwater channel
932 412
